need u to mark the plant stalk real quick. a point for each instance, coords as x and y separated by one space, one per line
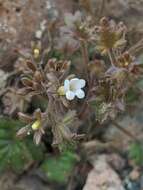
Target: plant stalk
84 52
111 57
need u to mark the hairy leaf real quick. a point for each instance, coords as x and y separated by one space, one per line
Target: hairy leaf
58 169
15 154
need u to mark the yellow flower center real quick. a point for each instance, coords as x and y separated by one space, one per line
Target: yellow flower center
61 91
126 64
36 53
36 125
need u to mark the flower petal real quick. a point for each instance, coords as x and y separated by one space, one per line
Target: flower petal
66 85
80 94
74 84
82 83
70 95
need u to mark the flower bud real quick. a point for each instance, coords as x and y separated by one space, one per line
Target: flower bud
31 66
104 22
38 76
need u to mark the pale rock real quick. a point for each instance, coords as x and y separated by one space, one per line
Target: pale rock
103 177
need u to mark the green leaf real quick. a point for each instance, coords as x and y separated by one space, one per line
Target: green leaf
136 153
14 153
58 169
132 95
140 83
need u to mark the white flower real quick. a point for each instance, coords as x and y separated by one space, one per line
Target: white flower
38 34
73 88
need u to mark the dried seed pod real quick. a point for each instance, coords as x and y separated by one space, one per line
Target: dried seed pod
23 132
51 65
110 36
126 55
37 87
27 82
38 76
104 22
31 66
37 137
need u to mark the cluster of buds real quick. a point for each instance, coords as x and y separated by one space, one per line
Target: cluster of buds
33 79
110 35
38 80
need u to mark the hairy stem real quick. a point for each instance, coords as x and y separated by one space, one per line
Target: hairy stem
111 57
84 52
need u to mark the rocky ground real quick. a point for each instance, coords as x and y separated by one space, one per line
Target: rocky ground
19 21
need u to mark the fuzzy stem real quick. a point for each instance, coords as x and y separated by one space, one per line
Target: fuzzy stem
85 57
111 57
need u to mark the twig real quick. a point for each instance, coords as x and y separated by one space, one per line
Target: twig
125 131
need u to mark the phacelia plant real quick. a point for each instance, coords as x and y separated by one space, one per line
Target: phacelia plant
83 77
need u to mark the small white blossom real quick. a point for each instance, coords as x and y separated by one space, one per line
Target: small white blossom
43 25
38 34
73 88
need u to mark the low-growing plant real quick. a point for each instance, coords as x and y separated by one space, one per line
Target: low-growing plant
83 76
81 86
